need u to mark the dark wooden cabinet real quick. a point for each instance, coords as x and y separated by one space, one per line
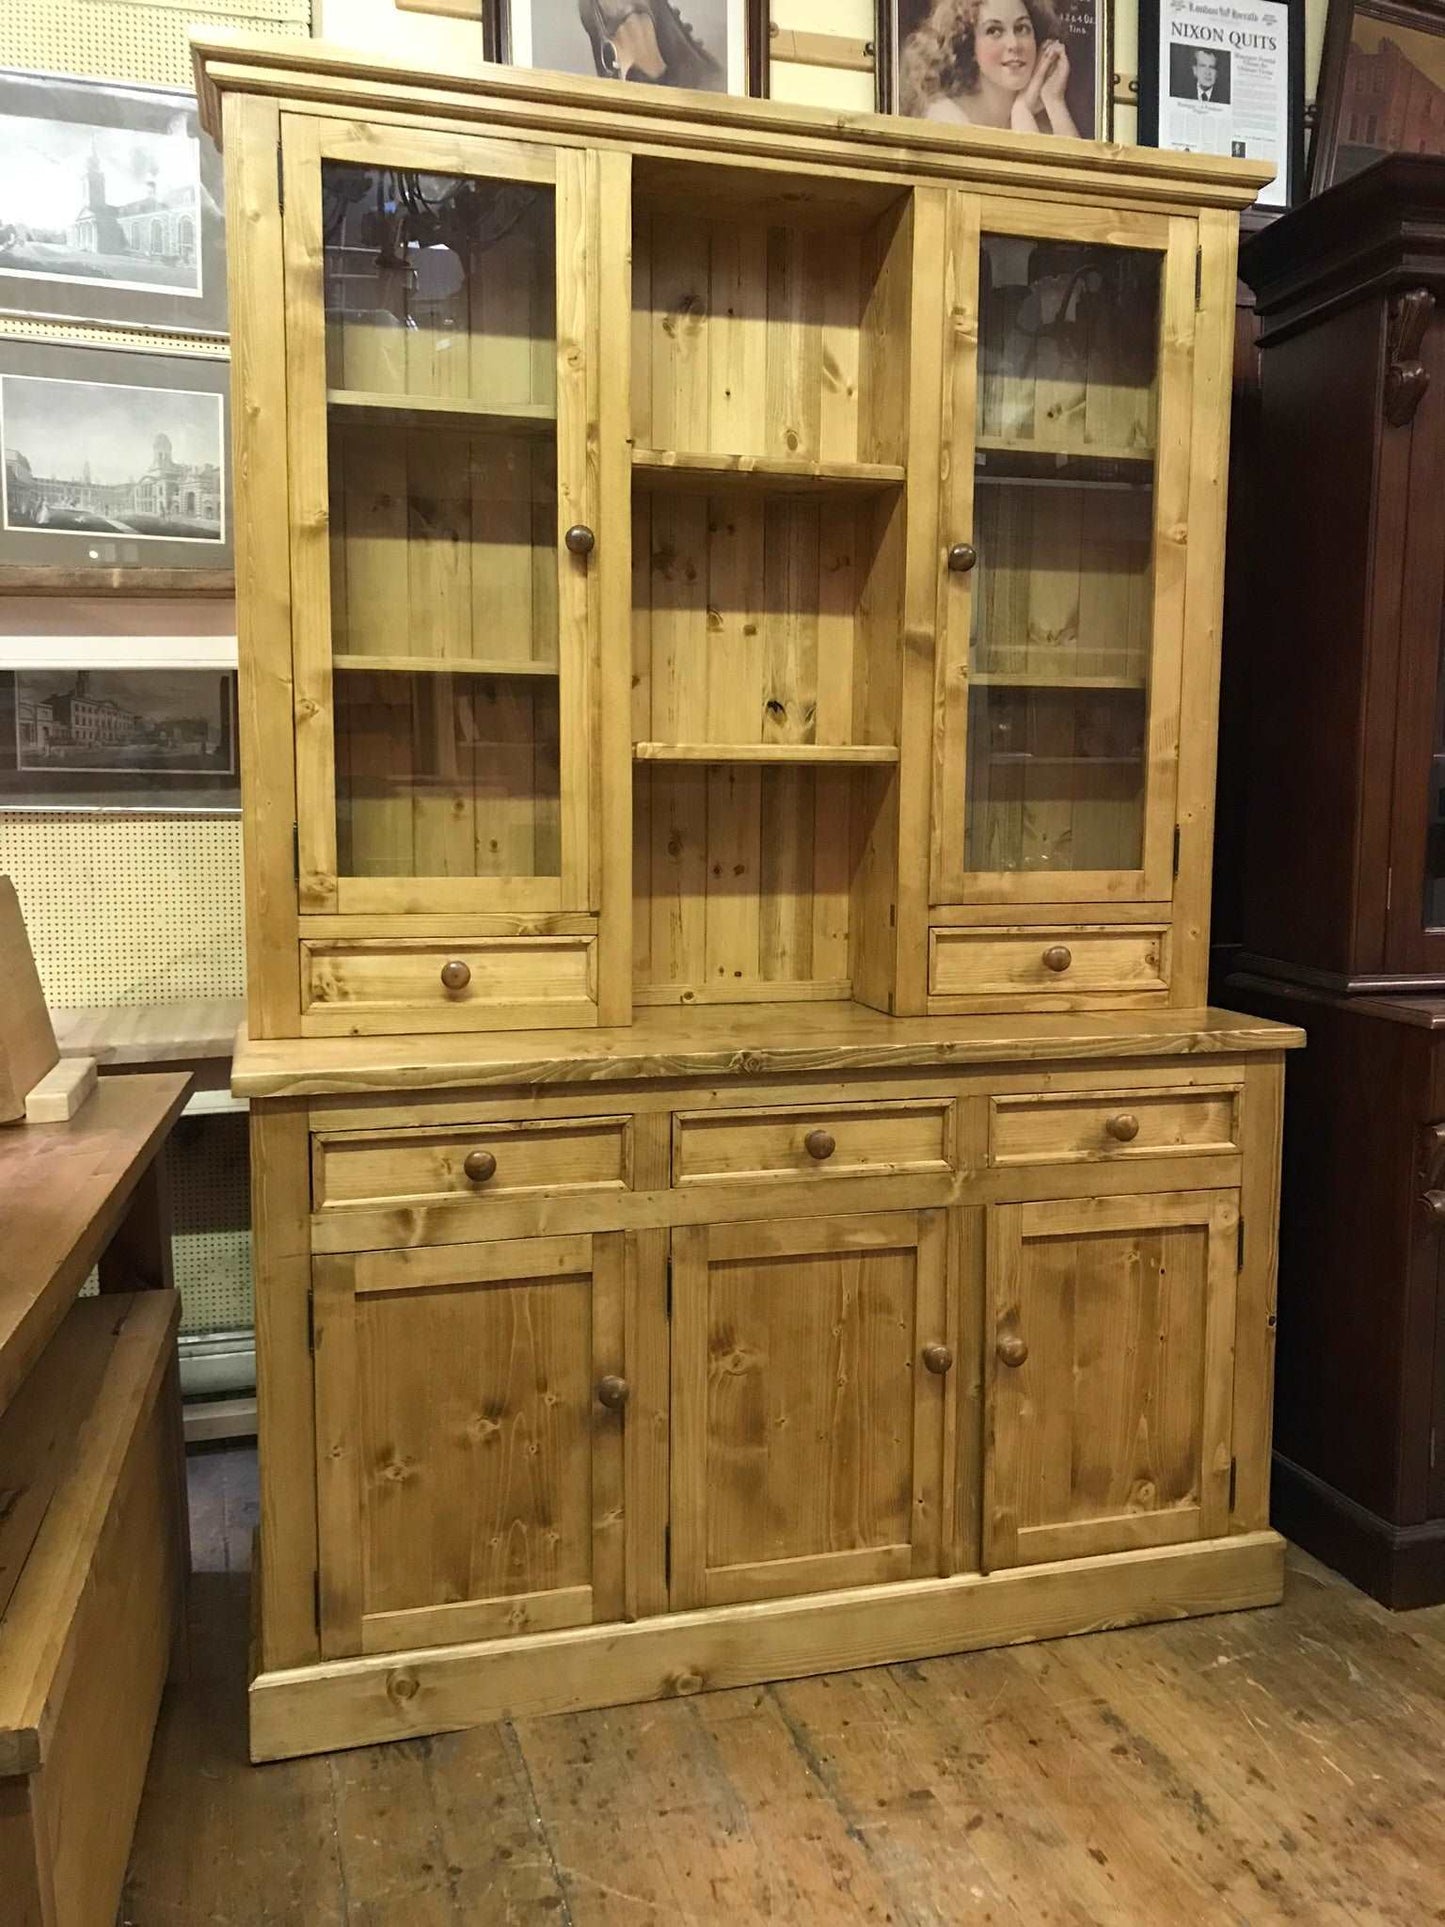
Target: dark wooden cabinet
1344 883
1333 812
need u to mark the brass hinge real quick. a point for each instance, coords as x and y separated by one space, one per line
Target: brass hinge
311 1323
1198 278
1233 1481
316 1598
1389 885
1239 1247
1176 849
669 1284
667 1555
280 179
296 851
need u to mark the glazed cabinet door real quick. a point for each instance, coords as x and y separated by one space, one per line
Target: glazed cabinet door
470 1412
1068 414
810 1369
441 393
1109 1371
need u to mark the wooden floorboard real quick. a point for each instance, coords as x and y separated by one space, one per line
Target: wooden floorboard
1279 1766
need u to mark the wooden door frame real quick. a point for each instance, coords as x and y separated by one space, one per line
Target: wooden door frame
1176 238
694 1250
1010 1227
345 1628
307 142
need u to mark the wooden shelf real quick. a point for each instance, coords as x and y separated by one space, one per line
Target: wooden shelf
442 411
1065 762
1026 679
655 467
1090 452
443 666
764 754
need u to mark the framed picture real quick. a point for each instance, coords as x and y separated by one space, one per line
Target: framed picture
1382 86
717 46
114 459
137 739
110 206
1036 66
1226 77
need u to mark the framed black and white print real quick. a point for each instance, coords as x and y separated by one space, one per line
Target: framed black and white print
110 206
114 458
714 46
125 739
1032 66
1226 77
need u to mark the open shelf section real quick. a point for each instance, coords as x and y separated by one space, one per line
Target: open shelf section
443 666
998 460
766 754
442 411
677 468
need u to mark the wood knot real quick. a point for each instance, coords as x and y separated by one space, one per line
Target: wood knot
402 1686
683 1683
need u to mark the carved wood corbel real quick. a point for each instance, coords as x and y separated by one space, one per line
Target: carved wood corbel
1406 377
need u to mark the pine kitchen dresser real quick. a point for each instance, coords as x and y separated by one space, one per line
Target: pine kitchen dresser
744 1180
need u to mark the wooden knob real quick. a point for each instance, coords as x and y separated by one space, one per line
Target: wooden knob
1057 957
938 1359
961 557
456 975
613 1393
579 539
820 1144
1434 1203
479 1166
1013 1349
1123 1126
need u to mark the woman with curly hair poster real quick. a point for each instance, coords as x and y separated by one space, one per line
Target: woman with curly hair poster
1034 66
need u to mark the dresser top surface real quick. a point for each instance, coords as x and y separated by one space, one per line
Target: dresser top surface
752 1040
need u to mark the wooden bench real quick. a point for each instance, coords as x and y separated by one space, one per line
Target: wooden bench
93 1540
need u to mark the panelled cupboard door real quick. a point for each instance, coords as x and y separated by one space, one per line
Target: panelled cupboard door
442 380
809 1374
1064 522
470 1475
1109 1374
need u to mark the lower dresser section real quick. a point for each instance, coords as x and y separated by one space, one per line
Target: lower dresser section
686 1382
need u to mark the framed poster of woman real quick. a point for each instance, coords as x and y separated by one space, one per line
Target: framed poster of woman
1033 66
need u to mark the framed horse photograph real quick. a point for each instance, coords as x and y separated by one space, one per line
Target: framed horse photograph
718 46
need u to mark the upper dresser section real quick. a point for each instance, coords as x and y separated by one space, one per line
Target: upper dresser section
1344 867
693 551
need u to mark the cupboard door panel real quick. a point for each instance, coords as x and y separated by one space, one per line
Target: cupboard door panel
470 1479
1061 597
1109 1375
807 1431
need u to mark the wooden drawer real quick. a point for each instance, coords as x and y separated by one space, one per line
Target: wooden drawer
1116 1124
966 962
709 1147
351 1168
537 981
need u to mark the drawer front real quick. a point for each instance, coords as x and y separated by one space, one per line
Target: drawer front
472 982
1119 1124
992 963
805 1141
351 1168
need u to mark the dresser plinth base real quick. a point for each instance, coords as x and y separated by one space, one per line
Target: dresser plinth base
399 1696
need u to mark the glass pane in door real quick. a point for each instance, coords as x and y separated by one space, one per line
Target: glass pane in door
1059 653
442 442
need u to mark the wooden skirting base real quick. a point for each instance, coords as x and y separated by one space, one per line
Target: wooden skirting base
1401 1566
358 1702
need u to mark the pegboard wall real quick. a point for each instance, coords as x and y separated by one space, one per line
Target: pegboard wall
129 39
211 1220
128 908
